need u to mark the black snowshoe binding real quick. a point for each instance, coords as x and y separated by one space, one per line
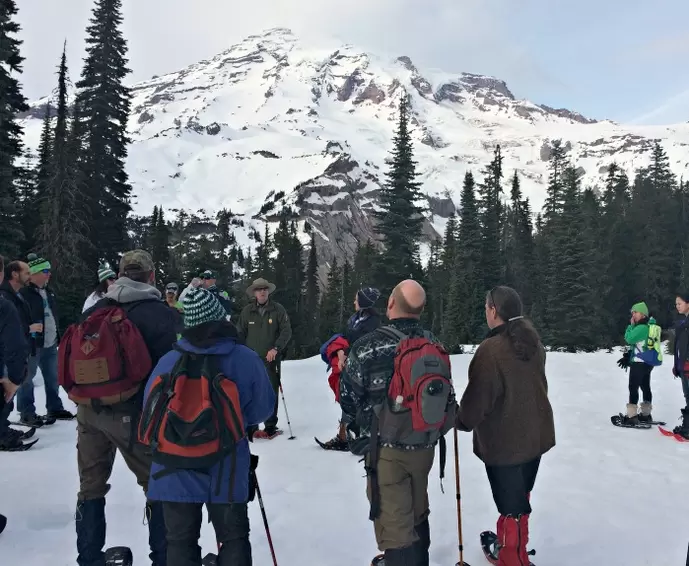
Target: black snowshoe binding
119 556
12 441
337 442
491 548
683 429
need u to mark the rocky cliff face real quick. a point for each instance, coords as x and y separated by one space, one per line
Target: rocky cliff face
271 122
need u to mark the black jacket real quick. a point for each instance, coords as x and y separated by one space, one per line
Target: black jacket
360 324
14 349
23 310
35 302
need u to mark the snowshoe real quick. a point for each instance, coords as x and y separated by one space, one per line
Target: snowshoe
490 547
62 415
3 523
267 434
378 560
673 434
13 443
210 560
119 556
21 435
625 422
335 443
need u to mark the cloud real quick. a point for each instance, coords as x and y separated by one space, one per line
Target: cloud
672 111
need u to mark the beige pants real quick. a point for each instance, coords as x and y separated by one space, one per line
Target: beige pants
403 486
99 437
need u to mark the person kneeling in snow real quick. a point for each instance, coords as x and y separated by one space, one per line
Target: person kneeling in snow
334 352
243 396
645 351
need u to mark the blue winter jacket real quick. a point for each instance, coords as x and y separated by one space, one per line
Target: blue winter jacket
248 372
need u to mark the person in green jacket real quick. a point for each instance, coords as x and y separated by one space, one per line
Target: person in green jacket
644 352
265 328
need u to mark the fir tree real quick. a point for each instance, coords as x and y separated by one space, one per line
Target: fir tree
311 302
64 229
400 220
104 103
159 245
519 245
464 317
11 103
365 261
331 305
492 220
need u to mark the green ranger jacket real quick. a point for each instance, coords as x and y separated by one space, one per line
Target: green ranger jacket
265 327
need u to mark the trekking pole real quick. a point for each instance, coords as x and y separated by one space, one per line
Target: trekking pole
459 504
284 404
265 520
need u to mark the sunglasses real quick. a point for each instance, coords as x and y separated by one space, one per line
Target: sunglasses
46 271
171 289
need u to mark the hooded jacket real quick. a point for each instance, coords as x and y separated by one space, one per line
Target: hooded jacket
14 348
22 307
257 399
147 311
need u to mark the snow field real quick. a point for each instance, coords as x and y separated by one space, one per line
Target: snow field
604 495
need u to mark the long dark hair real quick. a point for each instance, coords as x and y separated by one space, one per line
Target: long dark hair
520 332
101 288
207 334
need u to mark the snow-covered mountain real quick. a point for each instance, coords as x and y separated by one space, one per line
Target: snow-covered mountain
272 121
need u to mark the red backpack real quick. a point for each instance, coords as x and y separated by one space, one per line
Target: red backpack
419 408
192 417
104 358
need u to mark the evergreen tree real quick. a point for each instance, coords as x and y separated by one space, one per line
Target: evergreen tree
400 220
464 317
491 210
104 103
331 305
571 296
519 245
311 340
64 229
264 251
365 261
159 245
11 103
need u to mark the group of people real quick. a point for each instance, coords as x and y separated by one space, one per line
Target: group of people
30 332
181 402
107 372
643 337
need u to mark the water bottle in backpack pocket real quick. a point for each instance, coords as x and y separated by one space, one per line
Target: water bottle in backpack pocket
419 407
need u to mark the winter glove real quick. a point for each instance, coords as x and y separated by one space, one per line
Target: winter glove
623 362
253 464
360 446
354 429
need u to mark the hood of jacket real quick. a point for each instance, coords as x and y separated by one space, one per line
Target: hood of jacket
125 290
222 347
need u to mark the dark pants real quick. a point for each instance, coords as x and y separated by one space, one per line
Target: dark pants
231 524
274 375
511 486
640 377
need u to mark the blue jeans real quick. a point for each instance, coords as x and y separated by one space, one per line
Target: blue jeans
46 359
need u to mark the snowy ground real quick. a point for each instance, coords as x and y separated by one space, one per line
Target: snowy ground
604 496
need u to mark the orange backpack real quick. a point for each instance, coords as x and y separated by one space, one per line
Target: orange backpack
192 416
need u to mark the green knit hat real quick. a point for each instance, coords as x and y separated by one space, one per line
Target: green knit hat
37 264
104 272
641 308
201 306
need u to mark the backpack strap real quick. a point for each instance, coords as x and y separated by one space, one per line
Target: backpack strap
393 332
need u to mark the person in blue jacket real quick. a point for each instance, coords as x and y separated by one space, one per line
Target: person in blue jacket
184 492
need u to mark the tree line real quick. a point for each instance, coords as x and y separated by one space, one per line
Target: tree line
579 263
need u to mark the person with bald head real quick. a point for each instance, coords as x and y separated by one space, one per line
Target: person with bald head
398 455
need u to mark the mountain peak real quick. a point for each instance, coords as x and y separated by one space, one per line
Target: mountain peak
272 123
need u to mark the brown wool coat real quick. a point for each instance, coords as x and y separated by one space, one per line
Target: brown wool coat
506 404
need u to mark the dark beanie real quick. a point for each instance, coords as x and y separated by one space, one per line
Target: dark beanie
367 297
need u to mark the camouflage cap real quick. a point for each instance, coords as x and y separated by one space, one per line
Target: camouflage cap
136 260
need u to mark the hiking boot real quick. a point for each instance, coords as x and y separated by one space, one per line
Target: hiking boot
340 441
10 441
683 429
90 524
268 433
61 415
645 415
631 417
34 420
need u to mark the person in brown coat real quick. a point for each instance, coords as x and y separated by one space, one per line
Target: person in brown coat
506 405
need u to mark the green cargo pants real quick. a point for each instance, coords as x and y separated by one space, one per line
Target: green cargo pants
403 488
99 437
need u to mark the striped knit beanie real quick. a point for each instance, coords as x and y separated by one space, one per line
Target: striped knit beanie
200 307
37 264
104 272
367 297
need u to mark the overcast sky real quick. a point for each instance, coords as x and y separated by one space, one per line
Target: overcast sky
627 60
